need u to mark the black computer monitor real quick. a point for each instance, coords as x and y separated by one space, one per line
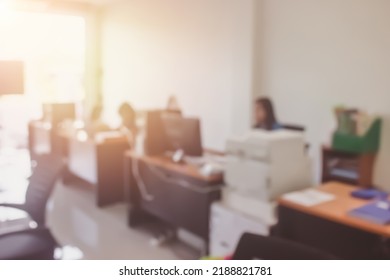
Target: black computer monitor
183 134
167 132
155 138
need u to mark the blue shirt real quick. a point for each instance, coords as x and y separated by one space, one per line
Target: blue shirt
275 126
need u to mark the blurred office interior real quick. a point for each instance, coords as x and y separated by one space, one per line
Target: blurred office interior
175 129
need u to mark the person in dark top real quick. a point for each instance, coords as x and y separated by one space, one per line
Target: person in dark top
94 123
128 118
96 113
265 115
173 106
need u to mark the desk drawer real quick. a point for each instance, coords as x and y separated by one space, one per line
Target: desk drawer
340 240
181 206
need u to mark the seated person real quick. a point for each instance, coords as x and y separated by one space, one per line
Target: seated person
95 123
128 120
173 105
265 115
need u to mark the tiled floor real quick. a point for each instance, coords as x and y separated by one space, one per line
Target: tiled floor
98 233
76 222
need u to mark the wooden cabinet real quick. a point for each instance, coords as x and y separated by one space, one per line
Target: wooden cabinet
347 167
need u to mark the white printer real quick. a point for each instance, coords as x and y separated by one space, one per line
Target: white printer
266 164
259 168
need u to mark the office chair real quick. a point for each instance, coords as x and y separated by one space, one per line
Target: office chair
41 185
298 128
29 244
252 246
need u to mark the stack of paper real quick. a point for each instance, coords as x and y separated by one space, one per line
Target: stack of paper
308 197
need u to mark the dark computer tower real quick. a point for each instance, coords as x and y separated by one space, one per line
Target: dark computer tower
155 138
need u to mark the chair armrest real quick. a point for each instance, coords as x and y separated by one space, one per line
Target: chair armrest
13 205
33 231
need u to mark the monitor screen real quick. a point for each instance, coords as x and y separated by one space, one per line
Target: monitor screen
183 134
11 77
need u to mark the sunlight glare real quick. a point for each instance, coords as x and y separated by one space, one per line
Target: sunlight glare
5 8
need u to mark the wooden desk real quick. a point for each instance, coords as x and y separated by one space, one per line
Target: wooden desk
43 134
99 163
181 205
329 227
336 210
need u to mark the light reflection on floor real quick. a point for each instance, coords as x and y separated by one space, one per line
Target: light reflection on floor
98 233
83 230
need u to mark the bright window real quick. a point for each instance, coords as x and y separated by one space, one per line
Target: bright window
52 47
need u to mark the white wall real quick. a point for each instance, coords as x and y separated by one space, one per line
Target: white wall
308 55
199 50
318 54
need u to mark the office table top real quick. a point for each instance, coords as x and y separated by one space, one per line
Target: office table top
98 138
184 169
337 209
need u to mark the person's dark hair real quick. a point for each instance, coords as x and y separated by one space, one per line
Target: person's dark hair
270 119
126 110
128 116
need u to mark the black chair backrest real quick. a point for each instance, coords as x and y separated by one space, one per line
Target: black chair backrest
298 128
252 246
41 185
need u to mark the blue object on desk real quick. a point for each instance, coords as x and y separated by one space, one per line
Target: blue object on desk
369 194
377 212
